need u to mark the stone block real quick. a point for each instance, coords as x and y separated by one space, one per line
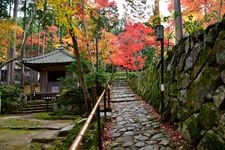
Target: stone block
219 97
65 131
208 116
191 130
211 141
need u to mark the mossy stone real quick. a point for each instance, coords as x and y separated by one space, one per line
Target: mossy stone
174 108
173 89
221 127
206 81
184 80
220 54
183 114
208 116
211 141
191 130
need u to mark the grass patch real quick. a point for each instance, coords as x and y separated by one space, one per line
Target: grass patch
13 122
52 116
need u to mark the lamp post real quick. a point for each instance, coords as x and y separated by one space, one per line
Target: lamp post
159 31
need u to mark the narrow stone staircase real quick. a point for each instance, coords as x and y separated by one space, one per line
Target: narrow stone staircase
34 106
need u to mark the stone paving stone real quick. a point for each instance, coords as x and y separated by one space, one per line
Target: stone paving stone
140 144
128 133
115 135
133 128
128 144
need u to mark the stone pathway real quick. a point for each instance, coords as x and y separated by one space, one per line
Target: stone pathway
132 127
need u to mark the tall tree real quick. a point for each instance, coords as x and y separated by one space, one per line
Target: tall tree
11 52
23 49
220 10
67 14
178 20
130 44
156 8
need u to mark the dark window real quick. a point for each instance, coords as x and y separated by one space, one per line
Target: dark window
55 75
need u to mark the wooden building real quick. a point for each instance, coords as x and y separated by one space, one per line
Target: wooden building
51 67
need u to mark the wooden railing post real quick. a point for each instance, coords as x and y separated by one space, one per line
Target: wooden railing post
108 97
77 141
105 105
99 129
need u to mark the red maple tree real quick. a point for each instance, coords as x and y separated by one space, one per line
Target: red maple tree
130 44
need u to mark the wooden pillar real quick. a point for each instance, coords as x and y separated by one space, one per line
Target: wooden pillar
44 80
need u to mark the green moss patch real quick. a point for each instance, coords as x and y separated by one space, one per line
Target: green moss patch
51 116
208 116
15 122
206 81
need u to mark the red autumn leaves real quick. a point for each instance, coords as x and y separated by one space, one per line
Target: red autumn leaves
130 44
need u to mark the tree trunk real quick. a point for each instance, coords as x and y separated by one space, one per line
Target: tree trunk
23 49
80 70
178 21
86 36
39 39
220 10
156 9
43 41
12 49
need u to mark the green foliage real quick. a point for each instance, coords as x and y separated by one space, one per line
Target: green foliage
110 68
68 100
90 74
149 53
192 25
11 97
86 67
119 75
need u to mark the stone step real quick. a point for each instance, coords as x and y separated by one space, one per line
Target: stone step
38 105
45 137
123 98
39 102
35 111
36 108
123 95
122 101
121 92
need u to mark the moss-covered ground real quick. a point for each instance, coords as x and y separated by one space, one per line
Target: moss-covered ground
17 131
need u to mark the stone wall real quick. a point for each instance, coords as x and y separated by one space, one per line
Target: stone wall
194 87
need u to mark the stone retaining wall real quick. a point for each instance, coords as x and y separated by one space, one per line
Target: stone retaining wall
194 87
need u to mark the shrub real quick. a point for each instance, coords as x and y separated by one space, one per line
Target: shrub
11 97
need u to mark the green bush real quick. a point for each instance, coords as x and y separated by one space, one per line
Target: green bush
70 101
11 97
